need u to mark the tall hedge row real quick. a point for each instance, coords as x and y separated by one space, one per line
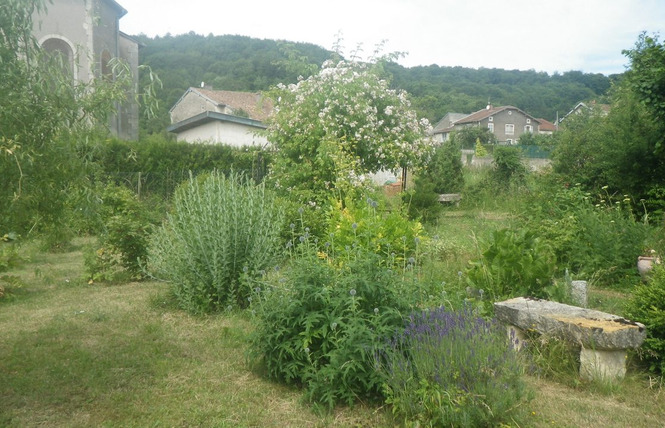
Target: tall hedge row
157 166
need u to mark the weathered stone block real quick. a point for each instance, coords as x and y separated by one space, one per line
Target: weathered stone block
586 327
603 338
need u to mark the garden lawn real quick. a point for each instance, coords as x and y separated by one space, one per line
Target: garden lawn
79 354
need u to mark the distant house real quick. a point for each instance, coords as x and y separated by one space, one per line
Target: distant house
86 35
507 123
445 125
227 117
589 107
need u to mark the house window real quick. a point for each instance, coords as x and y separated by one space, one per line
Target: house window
528 121
510 129
491 118
528 128
509 141
490 126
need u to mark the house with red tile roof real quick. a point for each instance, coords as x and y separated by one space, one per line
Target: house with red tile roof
507 123
220 117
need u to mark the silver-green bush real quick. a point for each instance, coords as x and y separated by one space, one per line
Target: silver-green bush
220 230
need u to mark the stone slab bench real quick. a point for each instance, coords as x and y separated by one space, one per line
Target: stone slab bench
452 198
603 338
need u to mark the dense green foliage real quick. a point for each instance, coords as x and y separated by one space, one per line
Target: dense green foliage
372 226
123 225
321 322
49 124
622 148
647 306
453 368
221 229
156 165
514 263
592 235
508 169
445 168
245 64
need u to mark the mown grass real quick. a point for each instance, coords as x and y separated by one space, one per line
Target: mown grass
79 355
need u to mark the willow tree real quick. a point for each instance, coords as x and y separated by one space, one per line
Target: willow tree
49 123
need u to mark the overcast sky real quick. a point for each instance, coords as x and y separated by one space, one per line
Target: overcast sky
559 35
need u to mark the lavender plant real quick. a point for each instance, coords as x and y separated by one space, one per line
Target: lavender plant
452 369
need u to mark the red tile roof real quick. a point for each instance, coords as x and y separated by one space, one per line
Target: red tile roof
255 105
546 125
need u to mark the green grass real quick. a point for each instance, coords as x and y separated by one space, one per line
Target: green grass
81 355
75 354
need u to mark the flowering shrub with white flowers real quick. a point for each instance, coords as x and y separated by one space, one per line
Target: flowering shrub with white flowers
333 128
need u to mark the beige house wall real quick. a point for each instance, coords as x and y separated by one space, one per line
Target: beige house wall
193 103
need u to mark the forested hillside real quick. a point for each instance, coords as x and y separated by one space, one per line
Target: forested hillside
242 63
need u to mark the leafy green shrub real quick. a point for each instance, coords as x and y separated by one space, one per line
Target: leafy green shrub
366 225
647 306
601 239
157 166
422 201
508 167
321 322
220 227
445 169
122 247
515 263
453 369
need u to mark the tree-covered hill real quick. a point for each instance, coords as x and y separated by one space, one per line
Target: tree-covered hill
242 63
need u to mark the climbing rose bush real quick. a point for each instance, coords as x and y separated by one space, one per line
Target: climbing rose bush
336 126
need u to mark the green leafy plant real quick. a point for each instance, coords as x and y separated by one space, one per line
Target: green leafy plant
453 369
647 306
122 246
592 235
9 258
515 263
508 167
320 323
220 227
369 225
422 201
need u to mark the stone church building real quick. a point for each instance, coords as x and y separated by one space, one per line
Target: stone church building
86 33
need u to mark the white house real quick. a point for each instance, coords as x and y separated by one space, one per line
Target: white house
220 117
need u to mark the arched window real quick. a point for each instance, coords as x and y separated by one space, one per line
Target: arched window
61 51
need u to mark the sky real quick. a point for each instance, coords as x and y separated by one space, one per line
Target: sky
551 36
